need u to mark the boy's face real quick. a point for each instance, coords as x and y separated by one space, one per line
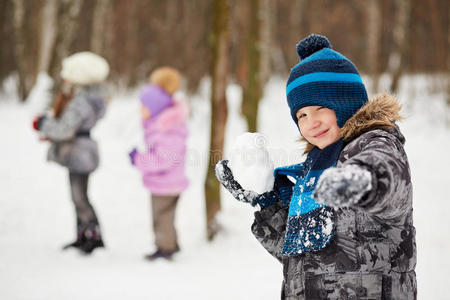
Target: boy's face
145 113
318 125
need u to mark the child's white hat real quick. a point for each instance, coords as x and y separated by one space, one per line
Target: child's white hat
84 68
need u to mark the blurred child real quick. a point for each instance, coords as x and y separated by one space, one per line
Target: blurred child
76 110
162 165
344 228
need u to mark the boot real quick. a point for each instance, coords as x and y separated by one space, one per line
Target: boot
166 254
93 240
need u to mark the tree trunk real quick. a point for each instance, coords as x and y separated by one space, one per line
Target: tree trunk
448 69
437 31
396 63
132 49
266 25
99 26
20 44
220 59
48 34
68 14
374 42
253 87
7 36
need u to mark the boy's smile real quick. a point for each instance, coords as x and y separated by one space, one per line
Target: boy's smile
318 125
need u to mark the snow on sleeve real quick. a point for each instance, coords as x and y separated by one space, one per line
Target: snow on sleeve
251 164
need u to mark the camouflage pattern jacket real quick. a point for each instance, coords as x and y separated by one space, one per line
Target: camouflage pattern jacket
373 253
71 144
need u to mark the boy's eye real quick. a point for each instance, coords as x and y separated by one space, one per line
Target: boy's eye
301 116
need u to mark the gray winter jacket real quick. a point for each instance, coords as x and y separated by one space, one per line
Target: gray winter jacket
373 253
72 146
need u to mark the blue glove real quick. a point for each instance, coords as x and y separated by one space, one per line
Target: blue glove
132 156
343 186
226 178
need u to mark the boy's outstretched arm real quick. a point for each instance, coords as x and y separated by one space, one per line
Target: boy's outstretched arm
375 178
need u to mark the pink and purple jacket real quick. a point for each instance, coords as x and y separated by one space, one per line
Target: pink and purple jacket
163 166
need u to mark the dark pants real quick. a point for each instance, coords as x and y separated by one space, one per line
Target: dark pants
163 212
86 217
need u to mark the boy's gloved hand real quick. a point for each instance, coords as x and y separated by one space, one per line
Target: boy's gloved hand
343 186
132 156
225 176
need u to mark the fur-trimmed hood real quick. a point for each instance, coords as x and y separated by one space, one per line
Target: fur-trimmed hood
379 113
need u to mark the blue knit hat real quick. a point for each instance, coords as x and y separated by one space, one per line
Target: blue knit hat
324 77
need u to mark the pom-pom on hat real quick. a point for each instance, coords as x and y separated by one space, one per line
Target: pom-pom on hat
155 99
324 77
167 78
84 68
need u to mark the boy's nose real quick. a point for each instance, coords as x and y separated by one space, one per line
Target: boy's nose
314 123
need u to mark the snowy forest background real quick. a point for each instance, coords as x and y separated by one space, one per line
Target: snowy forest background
235 57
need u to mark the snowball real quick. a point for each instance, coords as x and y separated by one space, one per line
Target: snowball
251 164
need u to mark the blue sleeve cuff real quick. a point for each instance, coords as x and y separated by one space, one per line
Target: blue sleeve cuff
265 200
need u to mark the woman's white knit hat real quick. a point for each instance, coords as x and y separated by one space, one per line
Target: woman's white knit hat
84 68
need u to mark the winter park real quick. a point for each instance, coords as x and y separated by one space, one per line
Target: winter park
224 149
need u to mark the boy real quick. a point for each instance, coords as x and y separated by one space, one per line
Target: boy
344 229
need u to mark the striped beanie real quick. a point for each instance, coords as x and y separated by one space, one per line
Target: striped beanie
324 77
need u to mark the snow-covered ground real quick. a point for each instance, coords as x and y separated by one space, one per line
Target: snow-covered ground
36 215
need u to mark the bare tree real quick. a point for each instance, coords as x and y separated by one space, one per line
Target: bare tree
220 58
437 31
374 22
290 25
396 64
99 26
137 36
253 86
7 36
68 15
48 34
448 65
266 25
25 79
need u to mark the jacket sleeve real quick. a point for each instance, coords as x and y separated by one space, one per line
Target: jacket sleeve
269 228
65 127
383 156
162 156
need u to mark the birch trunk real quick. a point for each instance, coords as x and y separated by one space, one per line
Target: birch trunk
48 34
